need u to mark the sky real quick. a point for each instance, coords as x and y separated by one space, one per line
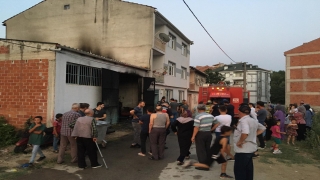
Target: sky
257 32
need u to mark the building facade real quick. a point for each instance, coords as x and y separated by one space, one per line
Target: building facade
197 79
125 31
303 74
258 80
171 61
46 78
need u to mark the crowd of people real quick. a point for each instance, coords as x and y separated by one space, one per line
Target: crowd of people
82 128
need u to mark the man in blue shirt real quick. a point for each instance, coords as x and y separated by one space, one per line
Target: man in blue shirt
136 114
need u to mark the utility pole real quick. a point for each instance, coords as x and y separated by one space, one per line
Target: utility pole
245 77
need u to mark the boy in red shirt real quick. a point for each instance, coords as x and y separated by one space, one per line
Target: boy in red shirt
276 135
56 132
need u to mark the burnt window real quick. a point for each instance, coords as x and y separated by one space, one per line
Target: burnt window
83 75
66 7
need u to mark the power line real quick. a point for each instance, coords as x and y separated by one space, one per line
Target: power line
208 32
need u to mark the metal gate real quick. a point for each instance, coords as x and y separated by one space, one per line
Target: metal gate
110 94
148 91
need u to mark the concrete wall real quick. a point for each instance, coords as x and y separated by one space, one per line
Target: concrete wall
26 81
111 28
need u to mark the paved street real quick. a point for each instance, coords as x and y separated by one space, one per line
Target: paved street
124 163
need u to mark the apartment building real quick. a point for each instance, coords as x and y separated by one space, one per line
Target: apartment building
122 31
171 61
258 79
303 74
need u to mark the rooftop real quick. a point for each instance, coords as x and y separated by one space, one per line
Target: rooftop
74 50
238 67
198 71
312 46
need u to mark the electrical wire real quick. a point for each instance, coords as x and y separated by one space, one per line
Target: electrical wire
208 32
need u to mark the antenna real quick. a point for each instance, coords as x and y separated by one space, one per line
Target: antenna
164 37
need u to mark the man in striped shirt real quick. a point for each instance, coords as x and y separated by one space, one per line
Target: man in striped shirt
202 134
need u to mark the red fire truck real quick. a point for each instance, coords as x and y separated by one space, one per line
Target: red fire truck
235 95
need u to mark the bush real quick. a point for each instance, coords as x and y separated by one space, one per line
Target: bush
8 134
313 136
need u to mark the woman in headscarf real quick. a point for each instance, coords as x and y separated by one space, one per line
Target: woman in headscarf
183 127
299 117
280 114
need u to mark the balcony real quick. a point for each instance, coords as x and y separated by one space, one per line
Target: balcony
159 45
158 78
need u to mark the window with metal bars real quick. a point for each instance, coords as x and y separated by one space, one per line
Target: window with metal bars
83 75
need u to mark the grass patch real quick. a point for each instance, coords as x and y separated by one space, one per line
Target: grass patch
265 160
290 155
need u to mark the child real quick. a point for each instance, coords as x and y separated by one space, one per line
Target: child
276 135
56 132
217 150
292 131
36 135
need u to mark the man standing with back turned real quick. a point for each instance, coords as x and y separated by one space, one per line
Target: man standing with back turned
245 143
85 132
68 118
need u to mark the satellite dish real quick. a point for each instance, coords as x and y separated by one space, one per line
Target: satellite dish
164 37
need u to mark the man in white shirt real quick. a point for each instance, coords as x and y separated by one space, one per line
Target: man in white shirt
253 113
224 119
245 137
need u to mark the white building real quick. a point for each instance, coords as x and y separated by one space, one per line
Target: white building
258 80
171 61
47 78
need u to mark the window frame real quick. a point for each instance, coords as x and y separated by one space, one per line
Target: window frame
181 95
184 49
172 42
169 93
171 68
183 72
82 75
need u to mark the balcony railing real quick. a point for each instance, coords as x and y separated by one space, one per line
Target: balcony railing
158 44
159 78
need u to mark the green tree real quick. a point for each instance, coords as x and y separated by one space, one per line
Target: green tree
277 84
214 77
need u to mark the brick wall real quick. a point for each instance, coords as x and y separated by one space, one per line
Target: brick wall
23 89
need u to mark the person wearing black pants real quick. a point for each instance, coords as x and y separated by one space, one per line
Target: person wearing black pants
85 132
144 121
245 143
183 128
86 146
261 116
202 134
299 117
